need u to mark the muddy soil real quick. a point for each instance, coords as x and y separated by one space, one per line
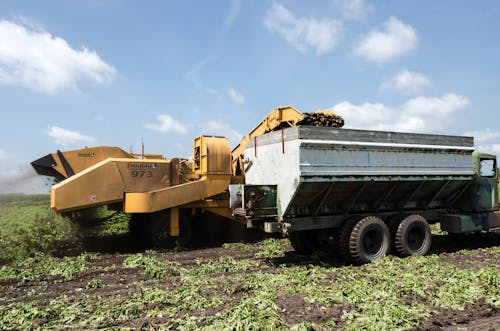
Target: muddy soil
116 279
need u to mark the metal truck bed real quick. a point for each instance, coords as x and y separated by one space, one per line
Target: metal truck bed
326 171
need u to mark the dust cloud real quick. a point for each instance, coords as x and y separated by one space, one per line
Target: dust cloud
24 180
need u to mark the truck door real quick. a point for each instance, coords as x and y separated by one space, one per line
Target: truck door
487 189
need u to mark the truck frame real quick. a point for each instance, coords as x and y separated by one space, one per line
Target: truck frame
365 191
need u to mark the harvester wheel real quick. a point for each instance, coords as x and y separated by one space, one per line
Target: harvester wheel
158 229
364 240
304 242
185 238
413 236
151 230
137 229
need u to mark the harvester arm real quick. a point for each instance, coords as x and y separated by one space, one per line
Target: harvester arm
212 166
281 117
278 118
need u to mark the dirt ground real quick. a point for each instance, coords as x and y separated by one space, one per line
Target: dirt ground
117 279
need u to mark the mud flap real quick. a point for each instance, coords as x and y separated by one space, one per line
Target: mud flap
494 220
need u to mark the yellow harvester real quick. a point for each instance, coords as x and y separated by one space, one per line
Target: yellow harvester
151 187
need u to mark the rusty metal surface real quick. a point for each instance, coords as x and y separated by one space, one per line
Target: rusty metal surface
304 162
352 135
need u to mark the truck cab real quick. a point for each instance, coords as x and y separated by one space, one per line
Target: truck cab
486 173
478 208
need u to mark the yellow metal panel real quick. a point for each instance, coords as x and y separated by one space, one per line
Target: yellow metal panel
176 195
211 155
174 222
212 160
98 185
81 159
146 175
107 181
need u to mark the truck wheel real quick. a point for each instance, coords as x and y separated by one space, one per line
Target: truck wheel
304 242
364 240
393 224
344 236
413 236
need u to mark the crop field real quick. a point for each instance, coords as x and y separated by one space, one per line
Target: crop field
50 278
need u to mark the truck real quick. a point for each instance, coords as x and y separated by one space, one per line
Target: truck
365 193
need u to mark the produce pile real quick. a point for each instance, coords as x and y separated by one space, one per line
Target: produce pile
322 118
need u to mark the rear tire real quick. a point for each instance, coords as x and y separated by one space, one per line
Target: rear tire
364 240
344 237
393 224
413 236
304 242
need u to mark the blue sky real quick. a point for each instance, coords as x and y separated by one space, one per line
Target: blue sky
115 72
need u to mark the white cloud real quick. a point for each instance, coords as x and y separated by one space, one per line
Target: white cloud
231 94
166 124
303 33
486 140
380 46
221 128
48 64
65 137
408 82
235 96
491 148
211 90
232 13
440 107
421 114
352 9
193 72
3 154
482 136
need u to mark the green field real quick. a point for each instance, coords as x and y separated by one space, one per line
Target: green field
50 278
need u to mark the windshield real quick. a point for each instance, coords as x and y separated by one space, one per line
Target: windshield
487 168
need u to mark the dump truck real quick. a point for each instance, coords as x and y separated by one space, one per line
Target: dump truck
366 193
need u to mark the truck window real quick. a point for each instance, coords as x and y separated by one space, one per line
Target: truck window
487 168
